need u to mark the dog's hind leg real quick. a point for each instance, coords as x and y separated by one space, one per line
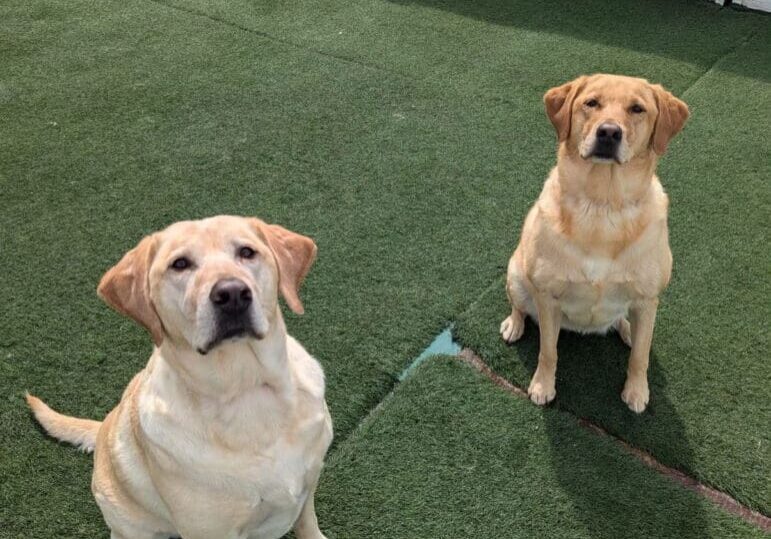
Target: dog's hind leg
624 331
116 535
136 533
125 519
513 325
307 526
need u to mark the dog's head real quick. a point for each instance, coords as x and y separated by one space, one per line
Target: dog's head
209 281
612 119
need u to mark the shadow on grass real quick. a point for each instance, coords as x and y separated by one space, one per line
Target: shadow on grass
590 376
697 32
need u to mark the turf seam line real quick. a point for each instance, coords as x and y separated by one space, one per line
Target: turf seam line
719 59
439 345
338 442
494 283
265 35
717 497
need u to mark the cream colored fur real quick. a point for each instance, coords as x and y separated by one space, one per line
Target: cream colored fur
226 445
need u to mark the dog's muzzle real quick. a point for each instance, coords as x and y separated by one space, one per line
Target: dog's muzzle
607 141
230 297
231 301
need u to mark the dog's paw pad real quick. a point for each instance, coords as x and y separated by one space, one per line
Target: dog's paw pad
512 328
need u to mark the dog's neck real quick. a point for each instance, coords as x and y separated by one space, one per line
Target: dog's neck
610 185
602 208
233 367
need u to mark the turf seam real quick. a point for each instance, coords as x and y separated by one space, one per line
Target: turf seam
494 283
739 44
717 497
365 419
270 37
406 373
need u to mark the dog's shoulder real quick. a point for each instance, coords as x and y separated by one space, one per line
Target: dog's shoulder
307 370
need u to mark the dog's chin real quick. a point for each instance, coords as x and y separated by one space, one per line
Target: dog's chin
229 335
600 159
600 154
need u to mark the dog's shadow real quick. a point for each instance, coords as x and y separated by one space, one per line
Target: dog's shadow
606 492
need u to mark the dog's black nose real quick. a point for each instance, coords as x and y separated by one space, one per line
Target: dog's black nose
231 296
609 133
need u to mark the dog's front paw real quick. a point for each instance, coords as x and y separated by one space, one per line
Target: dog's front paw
512 327
542 390
636 393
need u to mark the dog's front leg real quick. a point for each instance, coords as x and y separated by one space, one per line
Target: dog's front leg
542 388
642 319
307 526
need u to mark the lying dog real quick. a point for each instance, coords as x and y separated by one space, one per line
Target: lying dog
595 247
223 434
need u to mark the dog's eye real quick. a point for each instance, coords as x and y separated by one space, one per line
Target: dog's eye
180 264
246 252
592 103
636 109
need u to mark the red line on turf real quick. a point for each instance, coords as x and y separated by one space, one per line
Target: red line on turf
719 498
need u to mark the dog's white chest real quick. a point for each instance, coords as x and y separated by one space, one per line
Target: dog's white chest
247 480
597 268
275 494
597 297
238 493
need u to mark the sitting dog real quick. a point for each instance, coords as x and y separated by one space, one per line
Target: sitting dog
594 248
224 432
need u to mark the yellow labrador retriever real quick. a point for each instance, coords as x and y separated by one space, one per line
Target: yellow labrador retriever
595 247
223 434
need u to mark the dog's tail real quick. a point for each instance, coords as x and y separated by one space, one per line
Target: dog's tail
80 432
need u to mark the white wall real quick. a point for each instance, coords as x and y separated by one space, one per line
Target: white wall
762 5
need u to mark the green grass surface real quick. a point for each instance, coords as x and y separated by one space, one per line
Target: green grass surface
451 455
408 139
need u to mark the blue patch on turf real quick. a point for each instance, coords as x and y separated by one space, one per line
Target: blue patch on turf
441 345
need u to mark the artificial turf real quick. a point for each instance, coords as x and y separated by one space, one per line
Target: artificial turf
408 139
451 455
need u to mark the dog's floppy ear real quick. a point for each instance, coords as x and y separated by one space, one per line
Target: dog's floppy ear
559 105
672 116
126 287
294 254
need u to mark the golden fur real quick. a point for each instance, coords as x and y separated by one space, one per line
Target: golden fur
594 248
